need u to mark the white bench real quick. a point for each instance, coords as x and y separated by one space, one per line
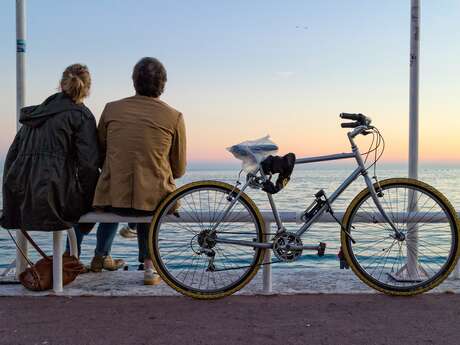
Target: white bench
102 217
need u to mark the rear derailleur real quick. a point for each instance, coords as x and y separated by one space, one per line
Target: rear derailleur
207 240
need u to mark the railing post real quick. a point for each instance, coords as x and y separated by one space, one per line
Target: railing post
20 102
57 261
267 268
412 231
412 267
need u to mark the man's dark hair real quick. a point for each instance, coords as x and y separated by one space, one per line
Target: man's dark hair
149 77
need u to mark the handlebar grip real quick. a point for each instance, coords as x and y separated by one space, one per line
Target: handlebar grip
348 116
349 124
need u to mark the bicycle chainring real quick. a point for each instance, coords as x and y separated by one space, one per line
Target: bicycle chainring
283 244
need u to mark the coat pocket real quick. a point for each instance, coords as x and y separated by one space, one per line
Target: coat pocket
74 202
13 179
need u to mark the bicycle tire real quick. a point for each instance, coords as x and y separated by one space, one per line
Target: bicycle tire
156 226
417 286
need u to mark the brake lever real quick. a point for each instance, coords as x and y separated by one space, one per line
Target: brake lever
366 132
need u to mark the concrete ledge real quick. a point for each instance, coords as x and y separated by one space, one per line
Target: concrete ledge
285 282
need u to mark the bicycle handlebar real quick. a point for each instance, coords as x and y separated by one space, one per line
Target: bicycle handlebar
349 124
359 120
355 117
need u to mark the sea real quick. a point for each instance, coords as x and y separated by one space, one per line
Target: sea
306 180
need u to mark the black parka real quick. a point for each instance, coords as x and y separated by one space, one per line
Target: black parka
52 167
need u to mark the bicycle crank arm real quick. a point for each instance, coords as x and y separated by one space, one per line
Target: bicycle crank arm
320 248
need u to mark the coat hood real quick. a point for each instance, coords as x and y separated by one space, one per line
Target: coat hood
36 115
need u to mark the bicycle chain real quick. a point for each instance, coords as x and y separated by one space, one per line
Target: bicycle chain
248 266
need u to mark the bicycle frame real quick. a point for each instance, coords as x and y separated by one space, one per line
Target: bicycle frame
360 170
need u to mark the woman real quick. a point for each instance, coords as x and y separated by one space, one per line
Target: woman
52 167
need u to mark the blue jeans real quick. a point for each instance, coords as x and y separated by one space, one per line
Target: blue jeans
142 234
142 239
104 238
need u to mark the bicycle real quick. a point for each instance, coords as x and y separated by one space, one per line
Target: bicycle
400 236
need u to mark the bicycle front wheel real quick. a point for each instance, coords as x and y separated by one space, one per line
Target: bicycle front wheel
187 250
411 263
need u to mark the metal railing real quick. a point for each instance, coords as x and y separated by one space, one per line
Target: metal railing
102 217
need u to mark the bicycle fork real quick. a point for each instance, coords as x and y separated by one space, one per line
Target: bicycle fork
370 186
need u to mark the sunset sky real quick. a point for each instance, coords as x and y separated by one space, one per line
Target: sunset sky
239 70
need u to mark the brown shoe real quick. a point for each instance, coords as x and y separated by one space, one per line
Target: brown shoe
105 262
113 264
97 263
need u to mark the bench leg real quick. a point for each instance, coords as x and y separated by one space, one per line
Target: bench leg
57 261
21 263
72 242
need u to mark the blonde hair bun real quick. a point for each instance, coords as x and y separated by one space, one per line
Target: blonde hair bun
76 82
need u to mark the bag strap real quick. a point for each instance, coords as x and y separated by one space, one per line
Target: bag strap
35 245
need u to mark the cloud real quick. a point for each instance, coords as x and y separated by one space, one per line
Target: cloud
284 74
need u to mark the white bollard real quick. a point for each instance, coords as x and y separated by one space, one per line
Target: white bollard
267 268
21 263
57 261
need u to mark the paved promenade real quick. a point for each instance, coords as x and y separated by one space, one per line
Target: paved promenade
305 307
367 319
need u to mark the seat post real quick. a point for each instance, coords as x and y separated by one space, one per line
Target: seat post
276 214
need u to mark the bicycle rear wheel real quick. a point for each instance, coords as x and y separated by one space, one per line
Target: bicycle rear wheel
186 251
415 262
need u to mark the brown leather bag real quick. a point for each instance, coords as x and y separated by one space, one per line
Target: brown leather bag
39 276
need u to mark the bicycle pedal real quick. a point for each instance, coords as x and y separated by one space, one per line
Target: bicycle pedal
321 248
343 262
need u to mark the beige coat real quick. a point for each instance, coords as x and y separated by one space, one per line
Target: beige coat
143 142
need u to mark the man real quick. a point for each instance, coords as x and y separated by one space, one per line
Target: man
142 142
